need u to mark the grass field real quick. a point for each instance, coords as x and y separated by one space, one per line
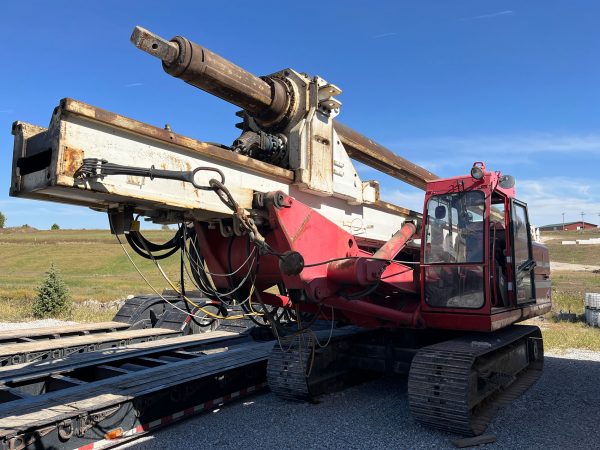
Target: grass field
95 268
91 262
569 287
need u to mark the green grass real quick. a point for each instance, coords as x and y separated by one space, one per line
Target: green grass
91 262
572 235
94 267
566 335
20 310
574 254
569 288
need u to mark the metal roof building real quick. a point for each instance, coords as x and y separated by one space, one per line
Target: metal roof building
568 226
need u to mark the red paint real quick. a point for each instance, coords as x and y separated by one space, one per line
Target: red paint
365 291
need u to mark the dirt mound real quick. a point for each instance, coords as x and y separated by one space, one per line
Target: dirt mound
22 229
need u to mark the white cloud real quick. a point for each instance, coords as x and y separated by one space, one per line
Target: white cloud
384 35
521 149
411 198
490 15
513 144
548 198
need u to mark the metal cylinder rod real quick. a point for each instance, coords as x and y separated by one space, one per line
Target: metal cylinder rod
206 70
369 152
210 72
398 241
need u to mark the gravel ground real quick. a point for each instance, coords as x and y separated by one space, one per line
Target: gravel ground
560 411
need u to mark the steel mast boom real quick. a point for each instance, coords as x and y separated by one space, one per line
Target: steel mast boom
266 100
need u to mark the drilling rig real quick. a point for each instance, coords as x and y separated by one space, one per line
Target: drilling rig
280 225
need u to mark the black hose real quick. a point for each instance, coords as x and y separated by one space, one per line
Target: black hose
137 245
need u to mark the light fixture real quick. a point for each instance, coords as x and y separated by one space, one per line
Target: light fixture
478 170
507 181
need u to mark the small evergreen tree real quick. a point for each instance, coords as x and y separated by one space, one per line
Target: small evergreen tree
2 220
53 296
55 226
165 227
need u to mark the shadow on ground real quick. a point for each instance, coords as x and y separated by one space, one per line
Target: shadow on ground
560 411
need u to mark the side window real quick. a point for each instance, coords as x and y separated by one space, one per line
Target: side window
523 272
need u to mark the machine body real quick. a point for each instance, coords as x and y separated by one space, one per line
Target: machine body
280 224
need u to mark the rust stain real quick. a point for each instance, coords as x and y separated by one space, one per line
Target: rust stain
371 153
72 160
301 227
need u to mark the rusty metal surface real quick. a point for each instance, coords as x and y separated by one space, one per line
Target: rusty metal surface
220 77
391 208
101 115
206 70
216 75
369 152
154 45
22 132
71 161
79 130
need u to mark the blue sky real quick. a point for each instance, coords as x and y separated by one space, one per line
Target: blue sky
443 83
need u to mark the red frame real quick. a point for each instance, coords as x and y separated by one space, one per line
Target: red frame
486 318
397 301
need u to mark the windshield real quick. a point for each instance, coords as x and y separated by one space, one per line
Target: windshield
455 228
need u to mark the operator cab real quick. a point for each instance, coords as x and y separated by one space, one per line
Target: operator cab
477 253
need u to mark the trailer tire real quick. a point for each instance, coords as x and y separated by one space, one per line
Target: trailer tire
143 311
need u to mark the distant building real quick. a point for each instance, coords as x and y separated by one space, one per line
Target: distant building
568 226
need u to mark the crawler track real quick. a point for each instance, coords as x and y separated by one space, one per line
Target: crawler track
300 369
458 385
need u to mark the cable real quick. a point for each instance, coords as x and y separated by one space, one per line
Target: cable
362 293
133 238
206 312
150 285
199 269
345 258
394 274
156 263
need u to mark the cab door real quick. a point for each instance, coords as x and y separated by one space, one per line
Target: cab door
523 284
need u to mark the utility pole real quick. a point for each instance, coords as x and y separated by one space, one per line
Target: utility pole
582 222
563 214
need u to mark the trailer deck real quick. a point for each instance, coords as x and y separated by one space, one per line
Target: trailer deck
78 401
20 346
